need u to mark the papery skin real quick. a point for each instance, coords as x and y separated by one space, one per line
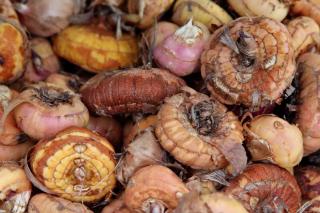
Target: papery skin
45 17
181 55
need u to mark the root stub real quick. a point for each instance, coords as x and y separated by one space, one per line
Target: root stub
250 61
201 133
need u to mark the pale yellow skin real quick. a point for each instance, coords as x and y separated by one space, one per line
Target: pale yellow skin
59 171
221 203
203 11
209 202
95 49
285 141
269 8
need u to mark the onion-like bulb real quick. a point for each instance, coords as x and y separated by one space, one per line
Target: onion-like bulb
45 109
159 32
47 17
274 139
43 62
180 52
15 188
211 202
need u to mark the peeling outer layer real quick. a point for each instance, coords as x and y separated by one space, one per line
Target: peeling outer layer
308 179
199 183
199 132
76 164
148 10
143 151
274 9
132 130
153 189
309 8
15 188
95 49
204 11
209 203
304 32
249 62
266 188
129 91
13 50
47 203
180 52
308 114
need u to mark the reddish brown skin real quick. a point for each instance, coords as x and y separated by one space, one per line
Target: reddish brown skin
134 90
265 183
107 127
308 179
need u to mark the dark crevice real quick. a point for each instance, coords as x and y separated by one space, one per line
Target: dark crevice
52 97
203 118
